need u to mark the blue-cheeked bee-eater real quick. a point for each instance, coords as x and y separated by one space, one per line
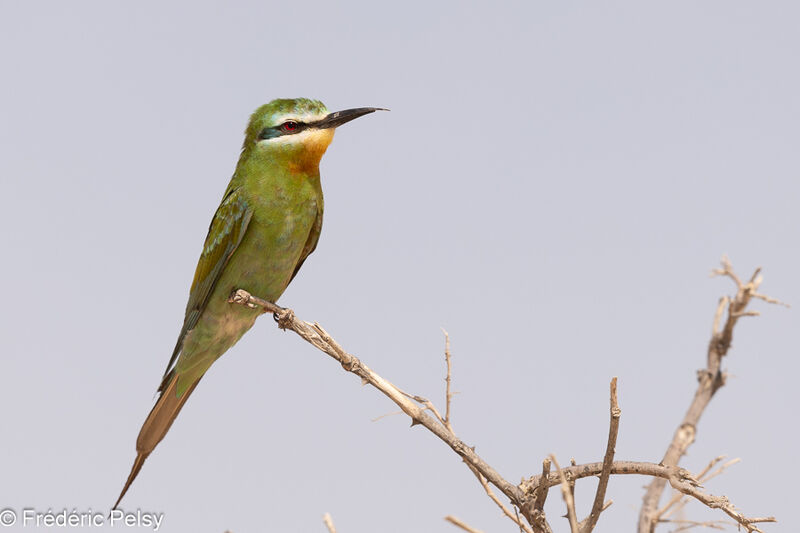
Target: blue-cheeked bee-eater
267 224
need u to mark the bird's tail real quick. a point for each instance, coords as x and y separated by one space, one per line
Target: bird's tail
158 422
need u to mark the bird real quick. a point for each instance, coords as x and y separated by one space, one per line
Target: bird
266 226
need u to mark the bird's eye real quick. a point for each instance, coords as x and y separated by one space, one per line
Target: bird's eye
289 126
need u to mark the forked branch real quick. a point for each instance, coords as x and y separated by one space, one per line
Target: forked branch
710 380
529 497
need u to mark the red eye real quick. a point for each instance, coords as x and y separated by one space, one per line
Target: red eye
290 125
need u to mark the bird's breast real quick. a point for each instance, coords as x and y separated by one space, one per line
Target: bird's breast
270 251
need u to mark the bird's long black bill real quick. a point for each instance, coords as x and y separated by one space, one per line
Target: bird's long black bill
338 118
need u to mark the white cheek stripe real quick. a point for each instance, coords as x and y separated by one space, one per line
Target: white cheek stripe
303 137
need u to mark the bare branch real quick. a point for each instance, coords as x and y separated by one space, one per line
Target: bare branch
506 511
393 413
679 478
328 521
602 484
723 303
516 513
722 503
539 520
702 477
316 335
685 525
770 300
427 404
530 485
530 495
566 493
711 464
446 422
585 521
458 523
541 490
710 380
571 482
678 497
448 395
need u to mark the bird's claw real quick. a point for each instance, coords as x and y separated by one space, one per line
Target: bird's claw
283 317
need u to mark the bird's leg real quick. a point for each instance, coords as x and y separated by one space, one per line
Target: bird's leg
283 316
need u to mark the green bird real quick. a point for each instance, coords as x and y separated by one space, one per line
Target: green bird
266 226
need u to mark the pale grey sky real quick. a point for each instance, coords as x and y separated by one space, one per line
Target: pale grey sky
553 185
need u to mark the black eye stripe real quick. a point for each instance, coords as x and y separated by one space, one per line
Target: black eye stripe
280 130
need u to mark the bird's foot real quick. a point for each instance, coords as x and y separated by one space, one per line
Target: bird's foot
284 317
242 297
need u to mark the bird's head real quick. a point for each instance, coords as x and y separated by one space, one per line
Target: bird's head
296 130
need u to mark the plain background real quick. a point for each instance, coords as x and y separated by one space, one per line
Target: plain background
553 185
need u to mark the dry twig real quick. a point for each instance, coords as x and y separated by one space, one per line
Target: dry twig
680 479
539 497
582 523
679 500
448 396
685 525
566 493
328 521
316 335
710 380
492 496
446 422
602 484
458 523
530 495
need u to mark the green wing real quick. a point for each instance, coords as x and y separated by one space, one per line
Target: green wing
225 233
